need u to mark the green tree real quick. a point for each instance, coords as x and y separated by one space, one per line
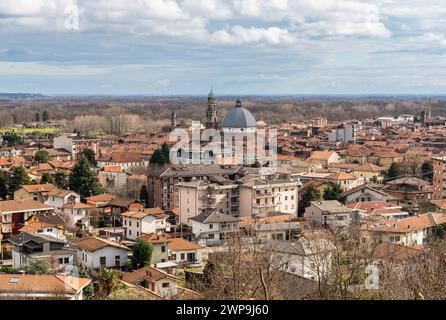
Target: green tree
333 192
394 171
311 194
38 266
19 177
144 196
427 171
84 180
12 138
37 117
61 179
47 178
3 185
439 230
108 281
41 156
166 152
45 116
157 157
142 254
90 155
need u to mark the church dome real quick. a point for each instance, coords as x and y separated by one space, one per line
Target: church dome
238 117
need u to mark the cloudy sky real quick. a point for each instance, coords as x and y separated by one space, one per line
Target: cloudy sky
235 46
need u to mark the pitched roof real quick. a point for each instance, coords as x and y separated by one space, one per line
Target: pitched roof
179 244
395 252
154 237
27 283
96 243
407 225
370 167
147 273
22 205
331 206
341 176
142 213
322 155
32 188
213 217
361 187
104 197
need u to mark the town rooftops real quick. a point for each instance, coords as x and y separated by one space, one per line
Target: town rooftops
197 170
154 237
213 217
408 180
60 193
142 213
407 225
331 206
341 176
53 284
322 155
104 197
362 187
395 252
96 243
260 183
23 205
369 167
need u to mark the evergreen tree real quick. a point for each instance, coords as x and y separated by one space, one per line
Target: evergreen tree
144 196
427 171
45 116
37 117
166 152
157 157
333 192
3 185
84 180
394 171
47 178
18 178
41 156
61 179
90 155
142 254
38 266
311 194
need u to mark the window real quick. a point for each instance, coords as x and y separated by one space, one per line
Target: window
130 223
117 261
211 226
130 232
137 233
102 261
163 248
211 236
125 222
165 284
137 224
60 260
182 256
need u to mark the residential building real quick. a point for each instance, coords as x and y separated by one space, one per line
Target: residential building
75 144
345 133
331 213
142 221
409 190
182 251
211 228
439 179
33 191
321 159
96 253
159 242
364 193
260 196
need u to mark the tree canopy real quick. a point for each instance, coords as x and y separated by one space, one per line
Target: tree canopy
84 180
142 254
61 179
47 178
394 171
311 194
41 156
90 155
333 192
19 177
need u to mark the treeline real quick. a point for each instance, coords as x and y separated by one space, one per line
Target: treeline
123 114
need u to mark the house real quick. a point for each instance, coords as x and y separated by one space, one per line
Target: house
96 253
182 251
365 192
45 227
211 228
159 242
112 177
124 160
368 171
41 287
345 180
14 213
395 253
330 213
408 232
409 190
75 144
29 247
141 221
156 280
271 226
321 159
33 191
306 258
57 198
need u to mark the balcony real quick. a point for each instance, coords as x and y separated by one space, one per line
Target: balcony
208 196
265 205
264 195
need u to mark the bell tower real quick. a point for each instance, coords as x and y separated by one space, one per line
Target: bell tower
211 112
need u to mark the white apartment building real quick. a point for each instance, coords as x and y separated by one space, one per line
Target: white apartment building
331 213
259 196
199 196
211 228
150 220
345 133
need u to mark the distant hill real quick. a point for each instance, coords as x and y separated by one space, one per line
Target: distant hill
20 95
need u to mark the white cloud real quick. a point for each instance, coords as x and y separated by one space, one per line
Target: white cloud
240 35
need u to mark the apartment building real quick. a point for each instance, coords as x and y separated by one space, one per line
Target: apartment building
345 133
439 182
259 196
75 144
197 197
162 184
